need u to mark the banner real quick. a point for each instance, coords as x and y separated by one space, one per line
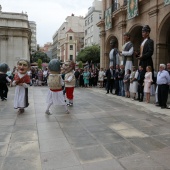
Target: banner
166 2
108 18
132 9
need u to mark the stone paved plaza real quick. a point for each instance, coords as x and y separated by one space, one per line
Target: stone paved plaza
102 132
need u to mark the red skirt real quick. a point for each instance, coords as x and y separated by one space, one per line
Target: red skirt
69 92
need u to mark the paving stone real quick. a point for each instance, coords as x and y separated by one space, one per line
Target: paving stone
84 116
103 165
7 122
75 123
47 126
162 157
156 130
109 120
72 168
163 139
54 145
147 144
121 149
22 163
120 126
25 121
24 128
82 141
22 136
105 137
7 129
99 128
1 160
92 154
130 133
90 122
50 134
3 149
100 114
58 159
65 118
5 137
23 149
140 162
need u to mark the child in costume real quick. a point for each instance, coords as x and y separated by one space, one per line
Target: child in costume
4 79
69 81
55 83
21 81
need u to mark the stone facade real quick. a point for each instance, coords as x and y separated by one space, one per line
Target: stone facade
33 36
62 42
91 19
15 38
151 12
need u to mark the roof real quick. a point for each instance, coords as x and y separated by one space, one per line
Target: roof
70 30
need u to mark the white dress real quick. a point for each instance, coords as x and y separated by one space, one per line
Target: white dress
134 85
56 98
101 75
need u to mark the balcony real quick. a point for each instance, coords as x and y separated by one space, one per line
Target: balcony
115 7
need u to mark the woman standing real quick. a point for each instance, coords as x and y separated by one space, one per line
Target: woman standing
101 77
86 75
147 83
126 81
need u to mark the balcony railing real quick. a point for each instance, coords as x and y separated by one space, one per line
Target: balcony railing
115 7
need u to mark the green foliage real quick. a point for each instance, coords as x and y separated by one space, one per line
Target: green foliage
80 64
91 53
40 55
39 63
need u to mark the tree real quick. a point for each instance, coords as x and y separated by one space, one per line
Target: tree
89 54
80 64
40 55
40 63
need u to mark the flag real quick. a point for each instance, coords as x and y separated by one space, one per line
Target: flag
132 9
108 18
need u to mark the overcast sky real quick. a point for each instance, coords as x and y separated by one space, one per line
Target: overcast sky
48 14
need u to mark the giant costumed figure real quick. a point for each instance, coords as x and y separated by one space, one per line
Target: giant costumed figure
21 81
69 81
55 83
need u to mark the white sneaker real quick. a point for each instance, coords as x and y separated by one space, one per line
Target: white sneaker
48 112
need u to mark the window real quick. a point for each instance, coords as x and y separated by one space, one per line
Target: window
70 37
71 57
100 16
91 39
92 28
71 47
85 32
86 23
91 18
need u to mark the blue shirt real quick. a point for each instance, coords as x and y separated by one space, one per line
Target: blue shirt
163 77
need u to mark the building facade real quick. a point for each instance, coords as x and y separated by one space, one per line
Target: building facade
94 15
69 38
33 36
15 37
151 12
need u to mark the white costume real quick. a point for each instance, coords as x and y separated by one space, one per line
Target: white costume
134 84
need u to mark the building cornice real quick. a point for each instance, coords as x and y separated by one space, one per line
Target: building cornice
101 23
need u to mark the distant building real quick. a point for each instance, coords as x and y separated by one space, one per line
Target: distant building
33 36
94 15
15 37
69 38
47 49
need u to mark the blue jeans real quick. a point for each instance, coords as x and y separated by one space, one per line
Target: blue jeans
121 88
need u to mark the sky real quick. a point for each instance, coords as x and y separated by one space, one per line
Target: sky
48 14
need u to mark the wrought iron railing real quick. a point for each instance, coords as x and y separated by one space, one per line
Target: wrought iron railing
115 7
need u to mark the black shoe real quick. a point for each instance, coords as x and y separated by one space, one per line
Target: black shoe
107 93
163 107
140 100
157 105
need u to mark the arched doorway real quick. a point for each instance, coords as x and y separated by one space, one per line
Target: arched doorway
108 49
163 45
136 39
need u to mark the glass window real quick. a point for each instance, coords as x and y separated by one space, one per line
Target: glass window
71 38
71 57
71 47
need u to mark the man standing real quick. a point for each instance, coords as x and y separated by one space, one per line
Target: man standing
110 74
114 55
77 76
163 81
127 52
146 49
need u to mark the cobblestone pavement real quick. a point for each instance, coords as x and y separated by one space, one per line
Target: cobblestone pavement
102 132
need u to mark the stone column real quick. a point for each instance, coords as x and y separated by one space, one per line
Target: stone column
102 49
